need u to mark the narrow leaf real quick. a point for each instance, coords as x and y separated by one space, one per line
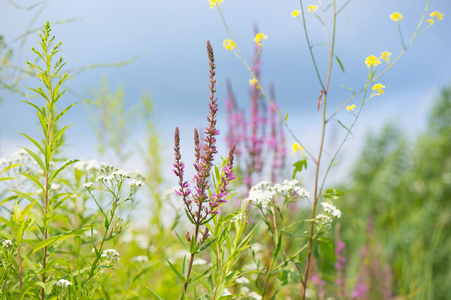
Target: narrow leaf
341 65
176 271
153 293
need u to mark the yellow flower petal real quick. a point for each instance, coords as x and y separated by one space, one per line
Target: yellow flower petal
296 148
431 21
260 36
312 8
436 14
295 13
396 16
214 3
253 81
372 61
378 88
350 107
386 56
228 44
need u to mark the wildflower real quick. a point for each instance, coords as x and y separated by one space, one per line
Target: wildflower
253 81
290 188
396 16
229 44
431 21
242 280
312 8
436 14
386 56
111 254
136 183
378 88
350 107
7 244
238 218
259 37
226 292
214 3
261 194
324 219
63 283
329 208
296 148
295 13
372 61
254 295
87 185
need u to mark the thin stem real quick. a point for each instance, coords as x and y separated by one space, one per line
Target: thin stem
323 133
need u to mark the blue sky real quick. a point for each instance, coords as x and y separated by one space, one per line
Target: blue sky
175 71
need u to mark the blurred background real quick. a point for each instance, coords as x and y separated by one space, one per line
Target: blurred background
152 54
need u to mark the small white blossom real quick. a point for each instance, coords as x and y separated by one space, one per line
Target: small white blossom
226 292
63 283
7 244
242 280
102 178
88 185
254 295
329 208
239 217
120 175
324 219
111 254
136 183
244 290
261 194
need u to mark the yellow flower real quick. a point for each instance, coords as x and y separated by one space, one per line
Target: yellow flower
260 36
350 107
396 16
229 44
295 13
372 61
311 8
386 56
214 3
378 88
436 14
296 148
253 81
432 21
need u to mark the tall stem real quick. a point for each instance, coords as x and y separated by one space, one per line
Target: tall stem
323 134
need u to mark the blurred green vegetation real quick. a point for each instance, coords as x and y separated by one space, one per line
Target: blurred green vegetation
399 202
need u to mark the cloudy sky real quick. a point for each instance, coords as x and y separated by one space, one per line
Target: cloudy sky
175 68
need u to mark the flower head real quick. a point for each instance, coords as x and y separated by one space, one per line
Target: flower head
372 61
63 283
214 3
229 44
312 8
259 37
296 148
7 244
396 16
378 88
386 56
111 254
436 14
431 21
350 107
295 13
253 81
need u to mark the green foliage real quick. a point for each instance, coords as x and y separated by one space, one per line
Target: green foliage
403 195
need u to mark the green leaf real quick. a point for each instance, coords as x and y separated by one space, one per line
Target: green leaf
26 210
48 242
180 276
347 87
64 111
24 195
54 173
193 245
36 158
34 142
206 245
57 136
7 222
34 179
182 242
299 165
341 65
342 125
153 293
326 249
286 117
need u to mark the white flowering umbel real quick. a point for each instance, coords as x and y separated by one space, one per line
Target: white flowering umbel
111 255
7 244
261 194
331 209
63 283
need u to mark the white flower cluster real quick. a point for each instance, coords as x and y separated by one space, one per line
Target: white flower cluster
244 290
111 254
88 185
239 217
261 194
330 209
136 183
324 219
7 244
117 176
289 187
63 283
